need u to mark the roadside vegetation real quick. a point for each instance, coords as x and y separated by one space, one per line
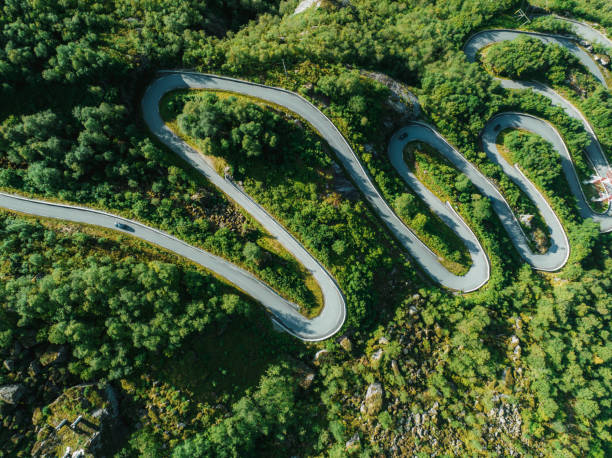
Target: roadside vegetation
285 167
530 59
521 366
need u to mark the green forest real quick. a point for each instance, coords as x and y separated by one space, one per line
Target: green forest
164 358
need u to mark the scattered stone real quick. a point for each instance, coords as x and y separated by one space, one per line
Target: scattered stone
514 341
585 44
11 394
374 399
526 220
395 368
78 427
307 380
602 59
305 4
100 413
518 324
9 365
346 344
353 443
412 310
61 424
377 354
320 355
376 357
383 341
54 357
34 368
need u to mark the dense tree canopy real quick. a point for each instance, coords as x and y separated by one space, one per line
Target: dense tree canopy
528 58
71 77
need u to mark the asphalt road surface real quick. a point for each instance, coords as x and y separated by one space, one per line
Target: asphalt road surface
333 314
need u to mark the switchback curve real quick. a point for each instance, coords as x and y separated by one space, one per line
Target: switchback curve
171 81
333 314
593 150
559 250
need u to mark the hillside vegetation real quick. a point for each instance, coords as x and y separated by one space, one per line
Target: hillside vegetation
194 367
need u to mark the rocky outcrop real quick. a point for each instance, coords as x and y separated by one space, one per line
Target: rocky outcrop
526 219
402 100
84 418
373 400
11 394
504 420
353 443
376 357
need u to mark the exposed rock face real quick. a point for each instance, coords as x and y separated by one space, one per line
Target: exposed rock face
342 185
377 356
11 394
402 100
353 443
526 219
374 399
395 368
307 380
305 4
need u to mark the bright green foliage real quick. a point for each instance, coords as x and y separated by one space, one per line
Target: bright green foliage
287 177
231 126
405 206
460 98
113 314
71 76
267 412
599 107
538 156
528 58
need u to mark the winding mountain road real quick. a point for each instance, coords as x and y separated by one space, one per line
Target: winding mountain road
594 152
586 32
333 314
326 324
